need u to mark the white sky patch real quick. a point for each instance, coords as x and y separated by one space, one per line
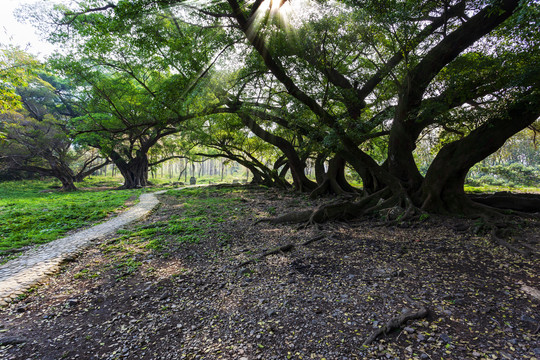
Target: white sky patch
13 32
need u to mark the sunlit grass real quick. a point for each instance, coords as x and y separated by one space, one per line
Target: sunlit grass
32 214
202 209
493 188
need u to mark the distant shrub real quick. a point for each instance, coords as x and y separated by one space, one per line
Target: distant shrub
512 175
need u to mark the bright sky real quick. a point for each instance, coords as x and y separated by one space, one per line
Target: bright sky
23 35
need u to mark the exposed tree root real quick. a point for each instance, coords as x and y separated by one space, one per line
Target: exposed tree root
497 236
12 340
392 208
276 250
293 217
395 323
526 203
280 249
500 241
316 238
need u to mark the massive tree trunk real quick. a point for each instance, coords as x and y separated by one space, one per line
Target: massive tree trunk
67 181
320 172
134 172
443 188
60 170
401 145
405 129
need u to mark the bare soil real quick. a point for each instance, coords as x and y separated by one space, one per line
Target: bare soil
128 298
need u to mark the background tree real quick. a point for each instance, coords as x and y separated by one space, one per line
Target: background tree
139 79
38 138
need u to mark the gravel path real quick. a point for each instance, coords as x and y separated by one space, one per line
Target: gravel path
32 267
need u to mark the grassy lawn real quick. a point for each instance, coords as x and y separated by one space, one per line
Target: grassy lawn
492 189
202 209
29 215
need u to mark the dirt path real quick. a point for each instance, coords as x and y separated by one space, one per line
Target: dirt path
31 268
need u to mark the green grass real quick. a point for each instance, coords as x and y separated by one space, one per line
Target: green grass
202 209
493 188
29 216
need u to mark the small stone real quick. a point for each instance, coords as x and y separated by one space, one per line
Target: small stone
421 337
72 302
476 354
243 272
536 351
408 329
424 356
271 312
447 339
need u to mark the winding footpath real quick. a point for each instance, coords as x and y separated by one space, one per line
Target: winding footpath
35 265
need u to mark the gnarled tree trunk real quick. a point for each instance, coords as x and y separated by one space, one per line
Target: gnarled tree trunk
296 165
443 187
333 181
134 172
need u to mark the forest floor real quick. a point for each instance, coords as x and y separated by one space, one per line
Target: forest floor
173 287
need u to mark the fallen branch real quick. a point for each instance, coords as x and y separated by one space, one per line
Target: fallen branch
12 251
535 293
396 323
